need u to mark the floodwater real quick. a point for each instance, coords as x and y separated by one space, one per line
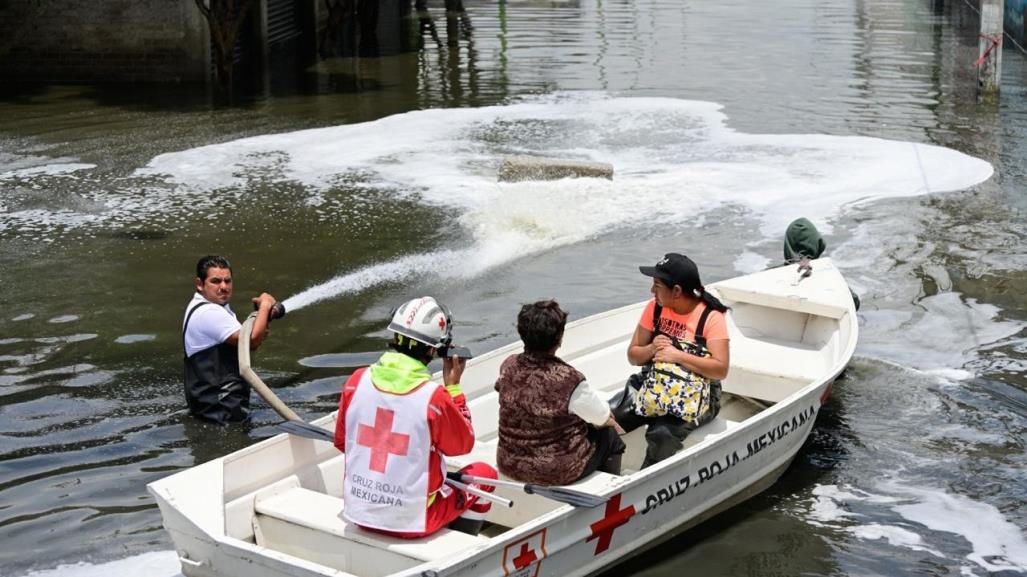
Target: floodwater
375 183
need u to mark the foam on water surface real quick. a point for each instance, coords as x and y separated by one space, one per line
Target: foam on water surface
995 543
944 333
18 166
895 536
666 153
131 339
674 160
153 564
63 319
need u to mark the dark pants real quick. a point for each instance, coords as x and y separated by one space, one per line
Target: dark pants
664 436
608 445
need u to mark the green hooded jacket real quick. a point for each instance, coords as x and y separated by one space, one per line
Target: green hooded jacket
803 239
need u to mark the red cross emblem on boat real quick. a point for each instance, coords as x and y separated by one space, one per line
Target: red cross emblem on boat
520 556
381 440
615 517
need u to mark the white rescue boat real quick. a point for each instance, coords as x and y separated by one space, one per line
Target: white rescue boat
274 508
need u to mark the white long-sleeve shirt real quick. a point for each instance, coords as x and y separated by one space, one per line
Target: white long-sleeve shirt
588 405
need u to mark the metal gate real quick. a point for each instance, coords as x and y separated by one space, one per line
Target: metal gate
283 21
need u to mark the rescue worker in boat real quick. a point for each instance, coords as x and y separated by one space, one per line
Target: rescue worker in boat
553 427
395 426
682 340
803 241
214 389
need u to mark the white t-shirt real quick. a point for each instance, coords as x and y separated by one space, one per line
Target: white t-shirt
209 326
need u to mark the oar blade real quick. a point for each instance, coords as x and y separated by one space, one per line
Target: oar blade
306 430
565 495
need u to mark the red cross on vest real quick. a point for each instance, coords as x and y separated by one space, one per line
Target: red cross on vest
615 517
526 557
381 440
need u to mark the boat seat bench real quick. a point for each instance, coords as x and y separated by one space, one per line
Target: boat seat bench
309 524
824 307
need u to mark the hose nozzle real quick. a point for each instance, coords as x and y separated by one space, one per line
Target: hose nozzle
277 311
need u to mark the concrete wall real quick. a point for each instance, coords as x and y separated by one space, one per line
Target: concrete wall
103 41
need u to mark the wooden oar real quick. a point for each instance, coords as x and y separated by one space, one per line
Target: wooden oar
561 494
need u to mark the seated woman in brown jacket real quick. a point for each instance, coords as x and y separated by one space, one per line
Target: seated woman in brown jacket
553 428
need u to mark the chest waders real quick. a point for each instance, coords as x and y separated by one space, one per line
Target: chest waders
214 389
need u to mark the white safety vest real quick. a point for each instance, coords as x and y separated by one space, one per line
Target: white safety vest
387 448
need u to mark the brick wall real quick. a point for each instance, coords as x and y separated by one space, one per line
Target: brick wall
103 41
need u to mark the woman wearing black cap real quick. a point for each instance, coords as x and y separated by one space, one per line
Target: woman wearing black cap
683 333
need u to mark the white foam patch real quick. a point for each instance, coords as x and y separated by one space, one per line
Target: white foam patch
130 339
677 155
155 564
750 262
951 375
895 536
827 510
997 544
945 333
661 149
63 319
23 165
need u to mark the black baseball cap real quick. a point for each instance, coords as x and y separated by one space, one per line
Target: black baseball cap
675 269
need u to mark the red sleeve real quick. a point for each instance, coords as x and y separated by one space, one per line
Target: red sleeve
449 421
340 419
646 322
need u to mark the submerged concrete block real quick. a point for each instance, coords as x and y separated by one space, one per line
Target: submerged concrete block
518 168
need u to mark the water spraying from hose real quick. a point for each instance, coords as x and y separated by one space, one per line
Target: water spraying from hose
446 264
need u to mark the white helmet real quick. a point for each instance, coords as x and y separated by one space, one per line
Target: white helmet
423 320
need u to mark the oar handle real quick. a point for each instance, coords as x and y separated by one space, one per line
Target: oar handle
251 377
526 487
494 482
479 493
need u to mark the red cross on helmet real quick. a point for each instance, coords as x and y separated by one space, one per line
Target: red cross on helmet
424 320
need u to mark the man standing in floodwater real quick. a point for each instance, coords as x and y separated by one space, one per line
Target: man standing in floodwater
214 389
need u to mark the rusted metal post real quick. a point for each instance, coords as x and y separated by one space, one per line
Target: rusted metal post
989 63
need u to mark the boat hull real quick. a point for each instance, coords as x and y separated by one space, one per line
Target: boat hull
791 337
681 493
